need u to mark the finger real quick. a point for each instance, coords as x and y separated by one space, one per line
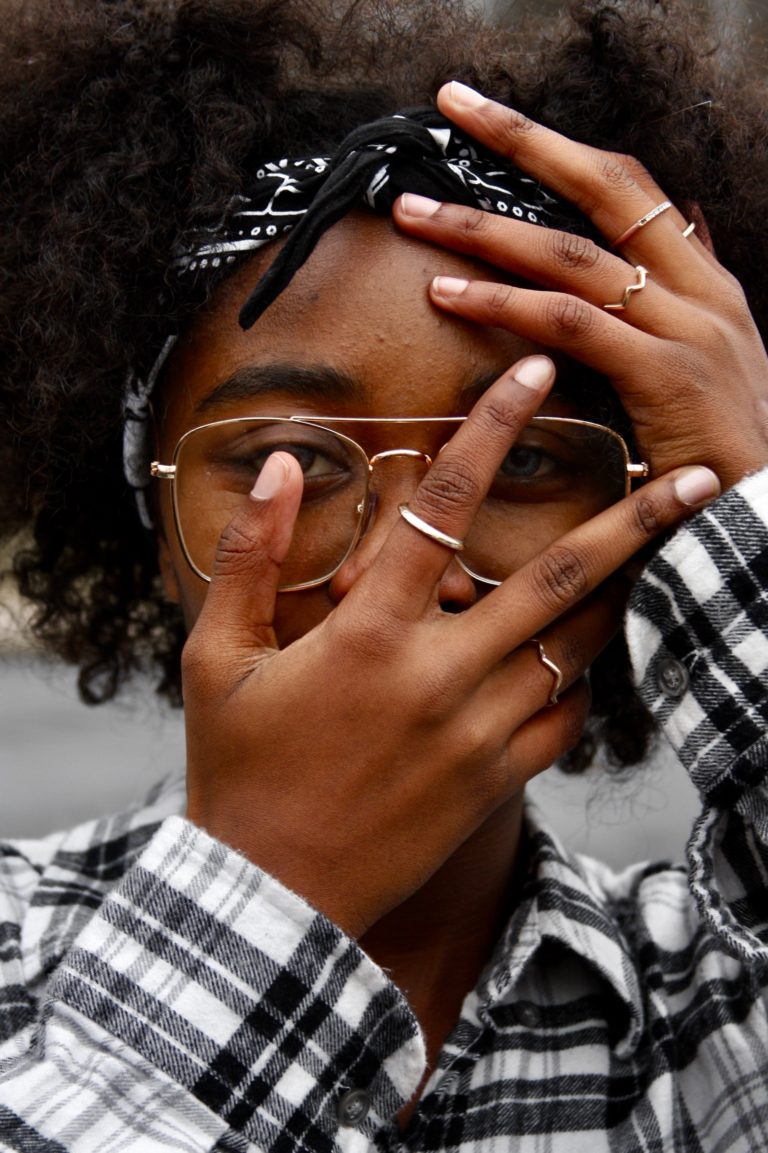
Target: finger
562 575
411 562
549 734
559 260
539 672
560 321
240 603
675 375
601 184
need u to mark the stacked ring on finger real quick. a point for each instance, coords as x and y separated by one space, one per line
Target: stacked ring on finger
552 668
427 529
638 286
641 223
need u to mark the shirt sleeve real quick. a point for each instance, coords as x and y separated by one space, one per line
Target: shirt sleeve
697 630
202 1006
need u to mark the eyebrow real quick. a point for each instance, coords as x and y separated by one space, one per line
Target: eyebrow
314 382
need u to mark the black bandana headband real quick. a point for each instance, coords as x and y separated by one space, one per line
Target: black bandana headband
415 151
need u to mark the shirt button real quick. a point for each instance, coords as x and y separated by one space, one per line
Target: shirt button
528 1014
672 678
353 1106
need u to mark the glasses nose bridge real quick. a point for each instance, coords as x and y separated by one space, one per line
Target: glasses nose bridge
387 454
390 455
373 504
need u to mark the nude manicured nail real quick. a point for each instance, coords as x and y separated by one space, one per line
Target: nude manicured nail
422 206
449 285
535 373
697 486
464 95
271 478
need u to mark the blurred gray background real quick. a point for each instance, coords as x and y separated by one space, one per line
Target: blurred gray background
62 762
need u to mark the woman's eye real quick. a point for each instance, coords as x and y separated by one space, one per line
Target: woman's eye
312 462
525 463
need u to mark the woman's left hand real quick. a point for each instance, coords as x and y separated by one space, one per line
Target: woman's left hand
684 355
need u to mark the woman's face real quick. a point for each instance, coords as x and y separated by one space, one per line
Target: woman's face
353 335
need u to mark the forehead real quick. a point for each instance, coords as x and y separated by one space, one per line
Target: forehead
359 307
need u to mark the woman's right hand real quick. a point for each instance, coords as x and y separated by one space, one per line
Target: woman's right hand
353 763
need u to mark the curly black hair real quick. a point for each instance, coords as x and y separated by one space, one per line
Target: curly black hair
126 125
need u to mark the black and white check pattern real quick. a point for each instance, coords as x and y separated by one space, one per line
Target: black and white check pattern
161 993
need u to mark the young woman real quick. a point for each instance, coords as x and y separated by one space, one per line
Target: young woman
389 420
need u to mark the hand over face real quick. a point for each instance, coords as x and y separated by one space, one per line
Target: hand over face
684 355
353 763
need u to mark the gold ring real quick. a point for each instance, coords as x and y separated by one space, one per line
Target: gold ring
429 530
638 286
641 223
551 667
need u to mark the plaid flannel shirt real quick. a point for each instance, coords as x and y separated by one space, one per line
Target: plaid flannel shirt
159 992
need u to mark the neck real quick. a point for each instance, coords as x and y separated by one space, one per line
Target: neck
436 944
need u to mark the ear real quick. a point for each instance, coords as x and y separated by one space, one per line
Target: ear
168 571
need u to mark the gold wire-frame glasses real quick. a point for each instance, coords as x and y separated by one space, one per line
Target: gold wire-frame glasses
580 467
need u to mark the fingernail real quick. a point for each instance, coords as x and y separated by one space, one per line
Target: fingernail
464 95
271 478
535 373
449 286
422 206
696 486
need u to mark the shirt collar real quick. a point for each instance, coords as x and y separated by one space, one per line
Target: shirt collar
563 903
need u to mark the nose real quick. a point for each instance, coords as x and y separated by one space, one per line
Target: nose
456 591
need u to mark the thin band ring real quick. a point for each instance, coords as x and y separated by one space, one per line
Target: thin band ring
429 530
551 667
642 276
641 223
689 230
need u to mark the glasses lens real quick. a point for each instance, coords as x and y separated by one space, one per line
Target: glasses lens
559 474
217 466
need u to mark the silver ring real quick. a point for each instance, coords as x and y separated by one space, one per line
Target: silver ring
429 530
641 223
638 286
689 229
551 667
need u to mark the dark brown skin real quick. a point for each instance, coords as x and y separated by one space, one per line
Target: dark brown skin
355 740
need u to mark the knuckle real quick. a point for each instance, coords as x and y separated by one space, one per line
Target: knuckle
614 174
471 223
574 252
509 126
734 305
634 168
497 418
648 514
498 299
195 659
732 289
446 490
571 318
235 549
561 574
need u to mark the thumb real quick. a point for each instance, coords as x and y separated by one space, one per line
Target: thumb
240 603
